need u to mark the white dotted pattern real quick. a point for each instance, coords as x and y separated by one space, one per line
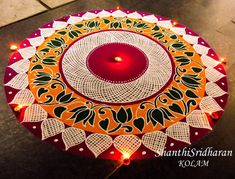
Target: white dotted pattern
80 78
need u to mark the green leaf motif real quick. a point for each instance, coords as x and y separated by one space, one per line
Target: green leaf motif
45 50
59 110
37 67
41 91
155 116
104 124
156 28
62 32
173 37
49 61
128 21
122 115
176 108
158 35
79 25
196 70
189 54
139 124
64 98
191 94
106 21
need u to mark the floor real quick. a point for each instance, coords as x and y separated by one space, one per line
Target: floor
24 156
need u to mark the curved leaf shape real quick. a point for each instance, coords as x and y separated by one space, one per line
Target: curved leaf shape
139 124
176 108
59 110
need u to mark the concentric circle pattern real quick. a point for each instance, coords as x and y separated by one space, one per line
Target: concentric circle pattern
109 82
151 78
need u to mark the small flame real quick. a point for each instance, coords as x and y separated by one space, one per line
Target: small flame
13 47
118 59
18 107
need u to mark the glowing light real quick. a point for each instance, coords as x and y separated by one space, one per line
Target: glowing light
126 158
118 59
117 7
13 47
223 60
18 108
174 23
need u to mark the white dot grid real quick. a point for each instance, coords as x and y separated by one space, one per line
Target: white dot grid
80 78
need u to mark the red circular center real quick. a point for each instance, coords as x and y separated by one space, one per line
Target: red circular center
117 62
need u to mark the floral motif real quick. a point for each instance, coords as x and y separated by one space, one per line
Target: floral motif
43 78
84 114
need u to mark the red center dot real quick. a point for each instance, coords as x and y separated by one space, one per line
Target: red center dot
117 62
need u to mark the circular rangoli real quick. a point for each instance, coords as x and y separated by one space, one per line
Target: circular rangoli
108 82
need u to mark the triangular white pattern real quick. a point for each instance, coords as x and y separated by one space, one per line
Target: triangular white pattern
134 15
179 131
208 104
36 41
191 39
98 143
46 32
178 30
119 13
74 20
73 136
23 97
214 90
51 127
59 25
27 52
20 81
34 113
127 143
104 13
209 62
213 75
198 119
203 50
89 15
166 23
150 18
20 66
155 141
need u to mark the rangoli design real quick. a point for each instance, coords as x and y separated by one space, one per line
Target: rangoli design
166 90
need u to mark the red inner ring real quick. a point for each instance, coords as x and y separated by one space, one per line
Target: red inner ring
102 63
121 103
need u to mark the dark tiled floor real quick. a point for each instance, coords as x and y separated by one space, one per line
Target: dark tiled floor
24 156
